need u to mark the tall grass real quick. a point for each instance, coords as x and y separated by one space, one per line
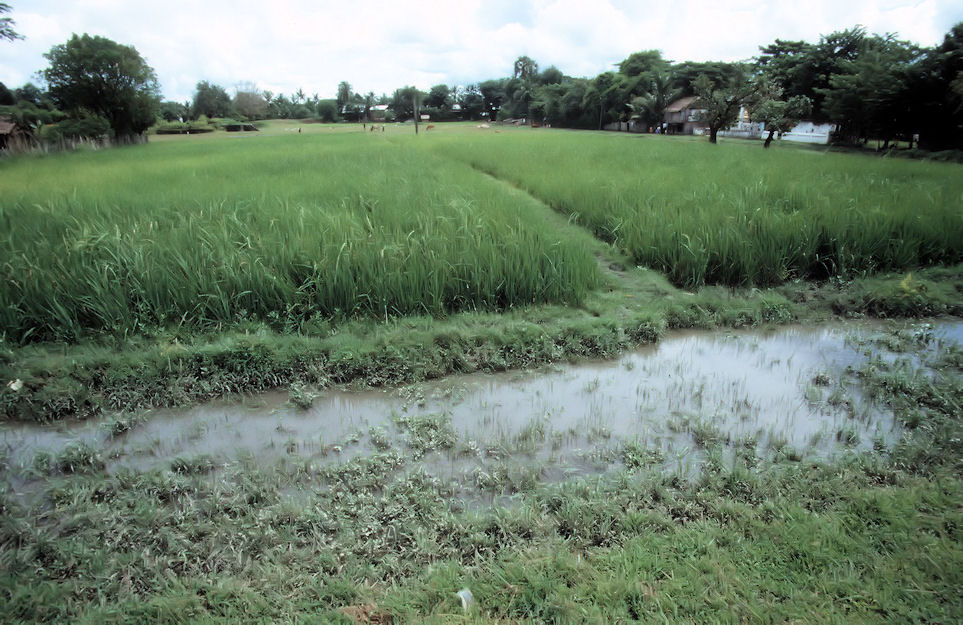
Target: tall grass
736 214
275 229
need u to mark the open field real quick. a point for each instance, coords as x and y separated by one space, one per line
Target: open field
744 478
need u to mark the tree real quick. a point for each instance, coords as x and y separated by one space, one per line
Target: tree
471 101
719 72
438 97
868 95
328 111
6 25
779 115
493 94
551 76
404 102
173 111
525 67
211 100
644 64
650 108
720 104
937 89
101 77
248 101
344 94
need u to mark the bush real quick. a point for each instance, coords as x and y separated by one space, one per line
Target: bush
90 127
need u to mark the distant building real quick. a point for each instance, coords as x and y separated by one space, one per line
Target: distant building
378 112
682 116
743 128
10 132
810 132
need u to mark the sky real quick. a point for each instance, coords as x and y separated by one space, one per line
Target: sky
286 45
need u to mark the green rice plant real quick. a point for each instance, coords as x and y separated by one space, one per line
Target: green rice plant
207 235
732 215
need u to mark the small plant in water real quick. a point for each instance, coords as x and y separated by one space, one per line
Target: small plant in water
78 457
300 396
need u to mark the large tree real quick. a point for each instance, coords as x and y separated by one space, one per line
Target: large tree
525 67
869 95
769 105
94 75
344 93
720 103
211 100
650 108
249 102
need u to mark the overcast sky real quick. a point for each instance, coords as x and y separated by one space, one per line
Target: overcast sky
283 45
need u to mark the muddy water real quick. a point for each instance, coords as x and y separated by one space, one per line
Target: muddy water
785 390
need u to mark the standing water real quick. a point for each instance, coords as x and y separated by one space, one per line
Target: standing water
789 390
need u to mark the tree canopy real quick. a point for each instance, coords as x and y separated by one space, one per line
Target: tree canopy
211 100
92 75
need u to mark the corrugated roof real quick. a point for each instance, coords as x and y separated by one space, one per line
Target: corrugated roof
681 104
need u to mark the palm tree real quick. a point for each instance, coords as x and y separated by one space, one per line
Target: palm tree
650 107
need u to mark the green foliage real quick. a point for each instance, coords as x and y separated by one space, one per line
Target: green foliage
720 103
28 116
249 102
6 25
779 115
328 111
92 127
93 75
211 100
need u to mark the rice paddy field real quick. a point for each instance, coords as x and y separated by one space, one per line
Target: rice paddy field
319 374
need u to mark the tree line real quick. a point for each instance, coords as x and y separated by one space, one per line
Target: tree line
872 87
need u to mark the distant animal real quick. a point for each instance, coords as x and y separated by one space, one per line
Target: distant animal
430 126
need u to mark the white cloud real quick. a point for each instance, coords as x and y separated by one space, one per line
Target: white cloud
379 46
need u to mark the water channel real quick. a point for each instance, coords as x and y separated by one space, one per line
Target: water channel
790 388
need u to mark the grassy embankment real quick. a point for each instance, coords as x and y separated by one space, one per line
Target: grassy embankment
199 266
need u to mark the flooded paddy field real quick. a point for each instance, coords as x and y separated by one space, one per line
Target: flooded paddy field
792 393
